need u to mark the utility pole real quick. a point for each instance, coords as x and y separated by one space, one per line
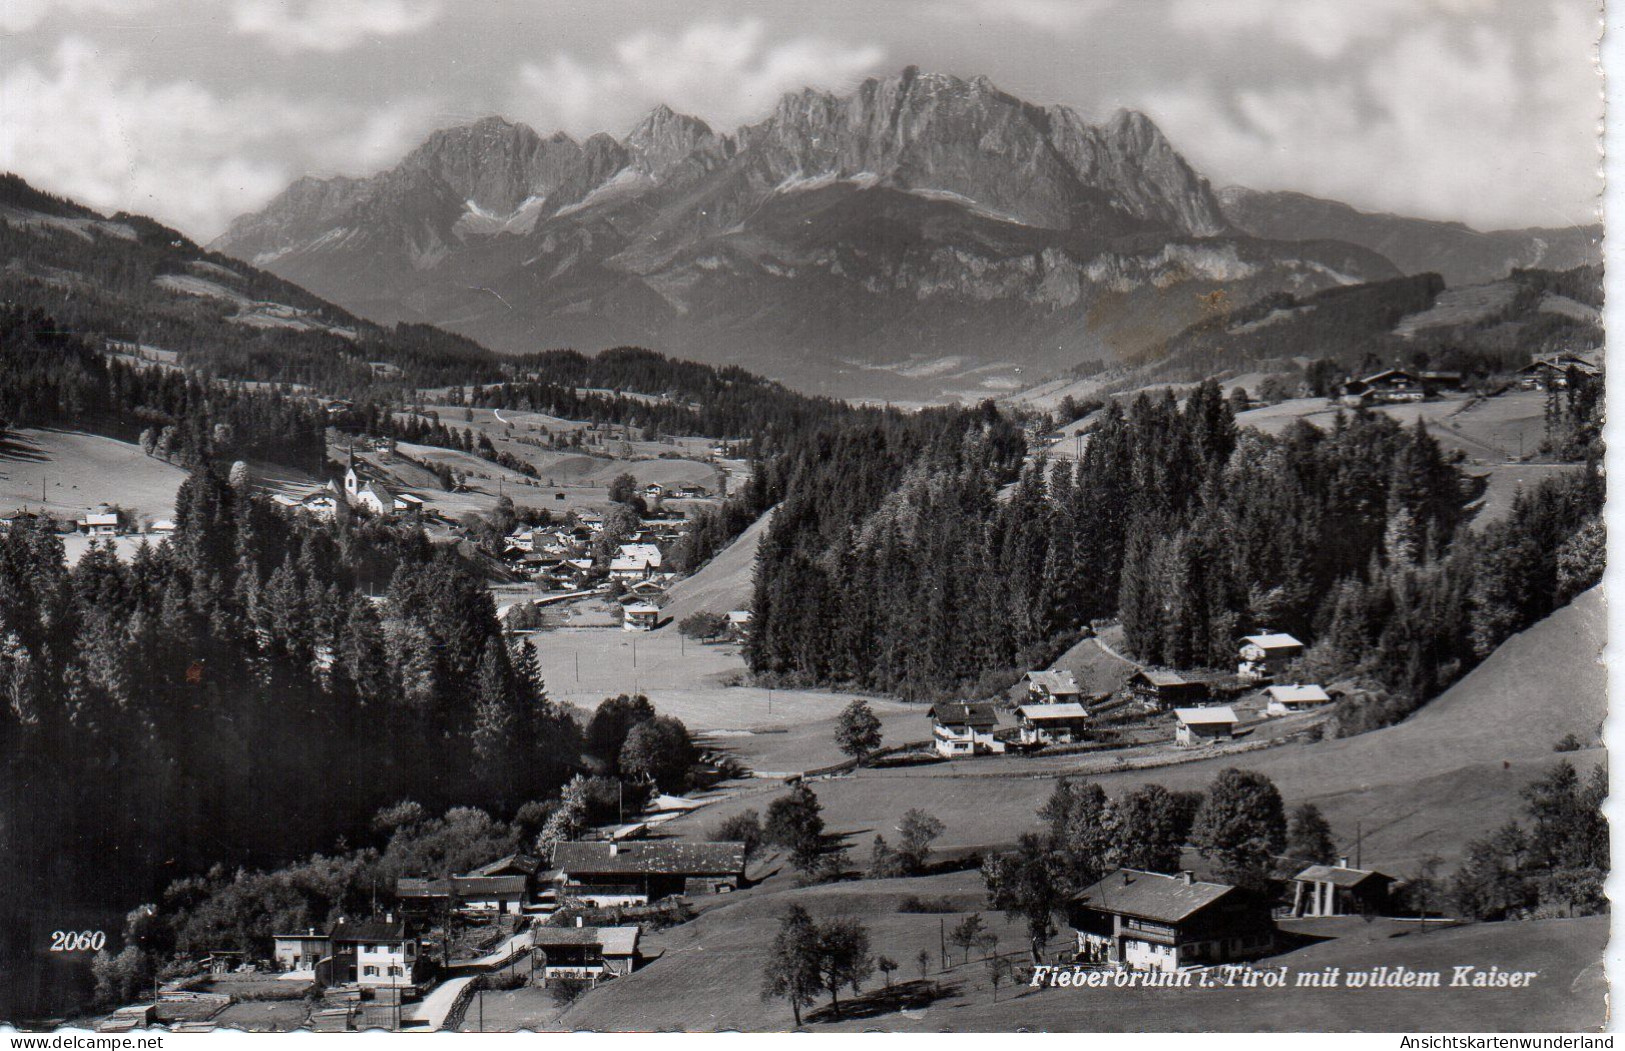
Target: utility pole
942 940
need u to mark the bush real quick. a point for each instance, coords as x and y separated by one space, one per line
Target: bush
703 625
914 903
567 991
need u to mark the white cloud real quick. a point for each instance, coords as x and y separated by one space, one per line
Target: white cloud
1045 15
21 16
82 123
1418 127
331 25
1323 28
725 73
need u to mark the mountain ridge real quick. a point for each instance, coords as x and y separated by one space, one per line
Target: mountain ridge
923 234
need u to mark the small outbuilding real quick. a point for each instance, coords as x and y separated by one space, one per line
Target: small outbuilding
1338 890
1199 726
1288 700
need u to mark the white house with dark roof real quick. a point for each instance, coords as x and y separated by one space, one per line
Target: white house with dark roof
961 728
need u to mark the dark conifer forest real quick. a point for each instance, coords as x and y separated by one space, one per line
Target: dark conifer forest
235 695
922 567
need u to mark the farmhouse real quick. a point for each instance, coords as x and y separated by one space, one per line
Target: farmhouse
690 492
739 621
653 491
1389 386
1054 723
1158 691
589 953
1556 372
964 728
636 873
1337 890
501 886
1044 687
1266 655
1285 700
1200 726
1146 921
640 616
406 504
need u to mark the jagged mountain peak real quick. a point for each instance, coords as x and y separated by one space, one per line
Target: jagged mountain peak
665 137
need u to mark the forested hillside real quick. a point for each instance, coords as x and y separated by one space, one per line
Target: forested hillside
927 579
1358 328
235 695
53 377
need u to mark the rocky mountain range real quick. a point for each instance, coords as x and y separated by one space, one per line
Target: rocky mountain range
922 235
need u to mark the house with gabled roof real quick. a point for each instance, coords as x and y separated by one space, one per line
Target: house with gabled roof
586 953
1266 654
1298 697
636 872
376 954
1194 727
1556 372
1158 689
1054 685
1148 921
1057 722
961 728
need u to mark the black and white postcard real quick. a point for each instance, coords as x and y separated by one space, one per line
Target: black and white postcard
869 515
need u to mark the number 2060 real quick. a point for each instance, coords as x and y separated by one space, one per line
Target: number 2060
77 941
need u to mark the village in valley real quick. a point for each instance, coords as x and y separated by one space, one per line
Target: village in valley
602 907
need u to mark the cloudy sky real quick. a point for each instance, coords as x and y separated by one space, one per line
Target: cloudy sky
196 110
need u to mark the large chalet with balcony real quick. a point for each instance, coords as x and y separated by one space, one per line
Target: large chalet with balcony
1147 921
